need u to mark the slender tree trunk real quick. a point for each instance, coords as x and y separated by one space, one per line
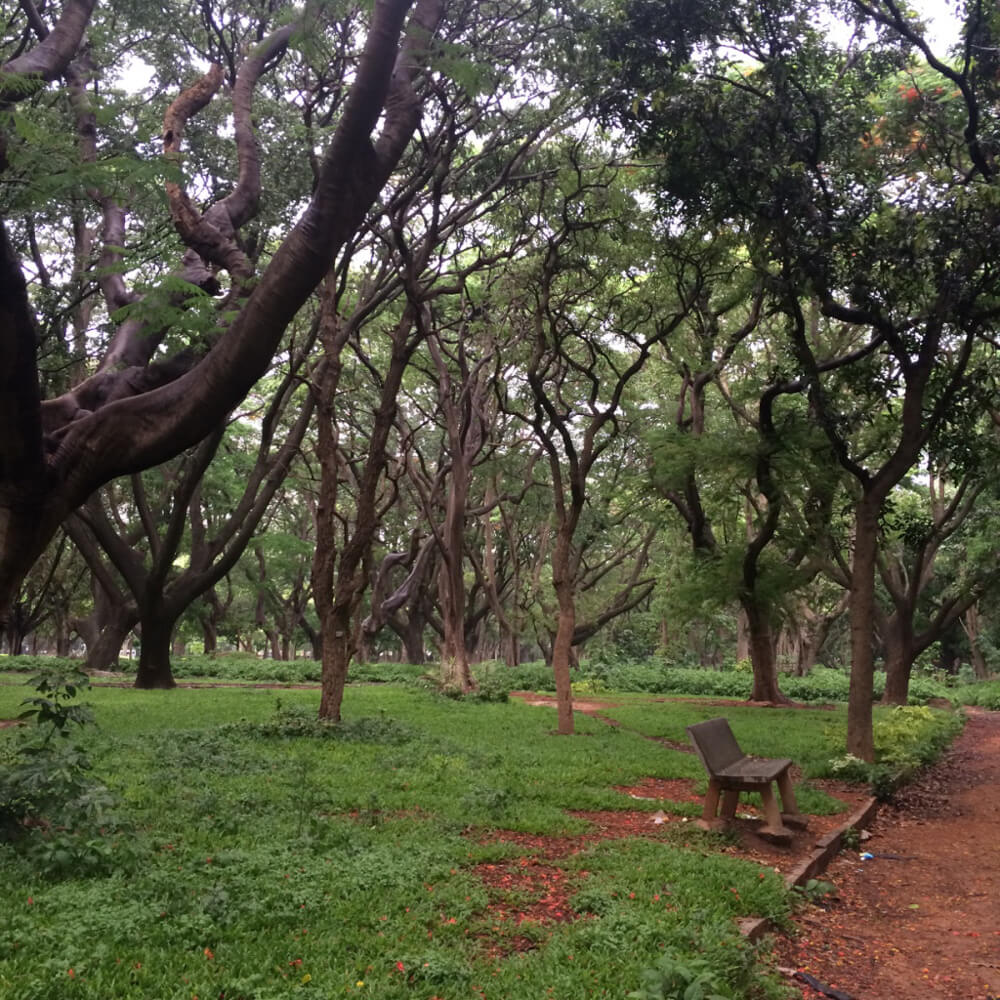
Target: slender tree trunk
154 653
860 735
742 636
762 654
972 626
451 583
562 645
209 634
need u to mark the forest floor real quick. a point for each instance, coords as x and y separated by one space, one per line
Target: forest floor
921 919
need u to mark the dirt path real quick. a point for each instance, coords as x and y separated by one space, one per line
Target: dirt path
922 918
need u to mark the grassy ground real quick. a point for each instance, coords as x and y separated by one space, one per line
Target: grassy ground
255 854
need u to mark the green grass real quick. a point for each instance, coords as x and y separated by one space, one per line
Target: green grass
256 848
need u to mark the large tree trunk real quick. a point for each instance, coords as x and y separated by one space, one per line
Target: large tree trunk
412 637
103 652
62 637
338 648
138 429
154 654
900 653
15 639
860 735
510 647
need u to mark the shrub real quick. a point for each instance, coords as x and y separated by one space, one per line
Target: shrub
986 694
907 738
51 807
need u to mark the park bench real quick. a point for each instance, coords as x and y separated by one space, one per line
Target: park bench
731 771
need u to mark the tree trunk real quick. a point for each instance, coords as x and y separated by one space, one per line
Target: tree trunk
154 654
860 735
762 654
899 657
338 648
562 645
15 639
103 652
972 626
510 647
451 584
62 638
809 647
413 639
209 634
742 636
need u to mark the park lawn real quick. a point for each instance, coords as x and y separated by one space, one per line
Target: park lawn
259 855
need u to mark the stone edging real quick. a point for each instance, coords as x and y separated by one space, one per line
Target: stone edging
824 851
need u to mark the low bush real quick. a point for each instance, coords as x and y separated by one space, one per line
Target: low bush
52 809
38 664
907 738
985 694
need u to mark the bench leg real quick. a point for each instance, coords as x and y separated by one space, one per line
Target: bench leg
775 829
789 808
730 800
708 821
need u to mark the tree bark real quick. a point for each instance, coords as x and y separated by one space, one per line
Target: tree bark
562 645
150 415
338 648
762 654
900 652
155 672
972 626
860 735
103 653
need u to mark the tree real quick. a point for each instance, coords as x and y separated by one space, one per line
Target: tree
590 324
890 229
139 408
183 507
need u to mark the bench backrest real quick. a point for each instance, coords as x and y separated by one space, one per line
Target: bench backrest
715 743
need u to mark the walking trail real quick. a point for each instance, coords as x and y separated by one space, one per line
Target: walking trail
921 919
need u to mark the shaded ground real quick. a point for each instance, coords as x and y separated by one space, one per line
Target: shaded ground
922 918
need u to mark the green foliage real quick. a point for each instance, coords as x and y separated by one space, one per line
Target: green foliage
986 694
38 664
681 978
814 890
51 807
821 684
907 738
52 709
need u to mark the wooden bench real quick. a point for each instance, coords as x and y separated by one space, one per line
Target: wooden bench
731 771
